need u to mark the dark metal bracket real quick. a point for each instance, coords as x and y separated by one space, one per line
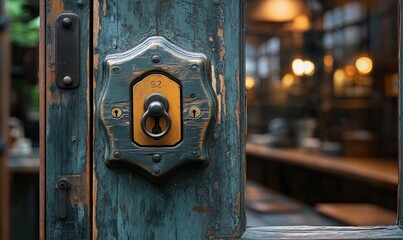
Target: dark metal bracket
67 50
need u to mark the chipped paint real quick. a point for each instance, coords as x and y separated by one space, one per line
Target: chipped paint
202 209
94 204
223 93
104 8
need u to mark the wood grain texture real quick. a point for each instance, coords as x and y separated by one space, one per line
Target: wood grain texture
197 204
42 124
400 189
67 133
335 233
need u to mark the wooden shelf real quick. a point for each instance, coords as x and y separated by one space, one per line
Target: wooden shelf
357 214
374 170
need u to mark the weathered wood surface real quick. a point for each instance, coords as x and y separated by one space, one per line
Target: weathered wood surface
400 190
67 139
196 204
306 232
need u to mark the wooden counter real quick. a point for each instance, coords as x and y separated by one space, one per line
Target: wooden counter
374 170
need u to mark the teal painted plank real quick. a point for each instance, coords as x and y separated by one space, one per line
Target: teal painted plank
67 125
198 203
334 233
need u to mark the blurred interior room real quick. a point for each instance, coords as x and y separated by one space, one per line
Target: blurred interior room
322 87
322 110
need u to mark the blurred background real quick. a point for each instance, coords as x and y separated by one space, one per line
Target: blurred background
322 88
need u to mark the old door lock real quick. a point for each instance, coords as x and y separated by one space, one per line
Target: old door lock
157 109
156 106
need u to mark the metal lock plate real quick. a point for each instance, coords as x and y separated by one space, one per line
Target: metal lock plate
183 80
150 84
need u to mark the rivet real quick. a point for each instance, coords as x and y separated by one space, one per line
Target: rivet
62 184
195 153
216 2
156 171
116 154
155 59
74 139
157 157
80 3
67 80
67 22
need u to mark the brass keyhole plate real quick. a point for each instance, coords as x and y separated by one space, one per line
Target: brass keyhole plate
116 112
194 112
171 90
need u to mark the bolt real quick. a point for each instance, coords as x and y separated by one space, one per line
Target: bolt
67 80
67 22
155 59
62 184
116 154
156 171
80 3
157 157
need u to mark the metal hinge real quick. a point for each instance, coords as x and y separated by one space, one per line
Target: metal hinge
67 50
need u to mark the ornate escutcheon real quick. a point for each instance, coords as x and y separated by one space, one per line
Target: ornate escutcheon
156 109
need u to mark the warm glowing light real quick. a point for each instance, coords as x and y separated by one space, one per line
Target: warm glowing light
301 23
364 65
349 70
328 61
288 80
338 82
277 10
298 67
249 82
309 68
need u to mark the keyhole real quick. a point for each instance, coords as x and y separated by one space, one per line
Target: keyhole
116 112
194 112
157 128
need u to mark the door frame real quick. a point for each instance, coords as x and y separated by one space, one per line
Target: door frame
270 232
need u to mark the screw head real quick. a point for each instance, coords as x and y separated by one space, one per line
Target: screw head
67 80
156 171
67 22
80 3
116 154
155 59
62 184
157 157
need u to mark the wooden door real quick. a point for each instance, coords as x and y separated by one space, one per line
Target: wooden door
86 194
